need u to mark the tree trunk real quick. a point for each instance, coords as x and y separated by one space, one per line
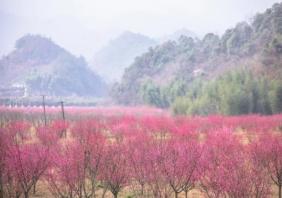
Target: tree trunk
25 194
280 191
115 195
1 188
142 189
186 193
104 192
175 194
1 191
34 188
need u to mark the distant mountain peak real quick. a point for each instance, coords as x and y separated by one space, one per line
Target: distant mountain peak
44 66
33 39
128 33
119 53
177 34
37 48
185 32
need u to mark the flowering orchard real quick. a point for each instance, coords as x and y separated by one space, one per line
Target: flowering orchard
135 153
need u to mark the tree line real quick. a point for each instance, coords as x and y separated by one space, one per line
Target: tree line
234 93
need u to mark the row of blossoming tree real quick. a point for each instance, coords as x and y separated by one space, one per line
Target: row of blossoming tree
143 156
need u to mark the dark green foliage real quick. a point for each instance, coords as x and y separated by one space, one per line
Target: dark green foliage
234 93
276 98
211 45
175 89
234 40
151 94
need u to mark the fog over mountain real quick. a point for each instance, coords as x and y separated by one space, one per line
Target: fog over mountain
83 27
119 53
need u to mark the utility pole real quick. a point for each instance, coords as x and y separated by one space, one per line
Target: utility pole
63 110
44 109
64 119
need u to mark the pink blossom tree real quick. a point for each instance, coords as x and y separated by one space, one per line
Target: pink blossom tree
25 161
138 149
115 172
268 152
26 164
66 175
4 143
261 180
226 168
92 142
76 166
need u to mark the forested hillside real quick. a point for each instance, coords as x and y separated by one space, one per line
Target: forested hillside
42 67
239 72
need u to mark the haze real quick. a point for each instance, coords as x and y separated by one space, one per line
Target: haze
84 26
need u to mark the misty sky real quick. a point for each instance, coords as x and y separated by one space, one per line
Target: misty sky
83 26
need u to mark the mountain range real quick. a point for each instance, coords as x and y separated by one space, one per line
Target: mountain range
243 66
111 61
41 66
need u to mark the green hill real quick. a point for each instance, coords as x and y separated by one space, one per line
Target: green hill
175 69
43 67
